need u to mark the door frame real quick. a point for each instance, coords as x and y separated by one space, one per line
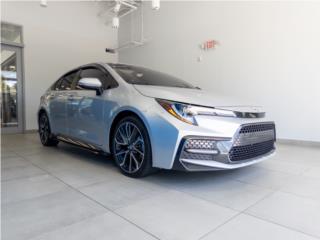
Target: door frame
21 90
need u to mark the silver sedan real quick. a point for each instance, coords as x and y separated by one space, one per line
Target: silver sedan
149 120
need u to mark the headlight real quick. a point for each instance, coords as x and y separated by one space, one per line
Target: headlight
187 112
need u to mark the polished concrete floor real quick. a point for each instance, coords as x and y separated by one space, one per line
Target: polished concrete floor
68 193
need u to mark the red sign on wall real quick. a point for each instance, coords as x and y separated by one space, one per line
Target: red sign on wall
210 44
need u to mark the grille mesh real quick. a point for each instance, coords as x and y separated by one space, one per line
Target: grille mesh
200 144
257 128
197 156
253 141
205 144
250 151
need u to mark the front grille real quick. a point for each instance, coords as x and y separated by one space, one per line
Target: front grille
253 141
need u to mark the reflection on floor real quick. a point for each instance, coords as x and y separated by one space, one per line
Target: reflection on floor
68 193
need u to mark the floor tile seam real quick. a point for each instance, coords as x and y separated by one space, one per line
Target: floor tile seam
95 201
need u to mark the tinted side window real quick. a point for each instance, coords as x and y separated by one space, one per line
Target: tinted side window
56 85
144 76
66 81
105 78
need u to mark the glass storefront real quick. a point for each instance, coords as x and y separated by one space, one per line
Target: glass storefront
11 94
8 89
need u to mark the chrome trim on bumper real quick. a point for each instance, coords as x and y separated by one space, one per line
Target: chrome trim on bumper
204 165
202 151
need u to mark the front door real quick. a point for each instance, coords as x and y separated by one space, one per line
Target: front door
11 92
85 116
86 109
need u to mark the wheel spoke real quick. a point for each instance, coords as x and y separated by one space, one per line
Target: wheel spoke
130 163
135 143
118 142
124 159
122 152
128 130
124 138
135 160
138 151
133 135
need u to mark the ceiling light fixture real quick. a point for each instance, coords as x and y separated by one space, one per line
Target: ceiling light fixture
155 4
43 3
117 7
115 22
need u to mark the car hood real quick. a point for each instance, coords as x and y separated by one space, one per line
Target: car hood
197 97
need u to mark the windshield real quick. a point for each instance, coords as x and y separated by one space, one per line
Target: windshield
144 76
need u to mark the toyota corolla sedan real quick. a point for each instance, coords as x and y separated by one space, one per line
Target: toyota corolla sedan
149 120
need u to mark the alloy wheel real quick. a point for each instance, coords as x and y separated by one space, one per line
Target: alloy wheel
129 148
44 130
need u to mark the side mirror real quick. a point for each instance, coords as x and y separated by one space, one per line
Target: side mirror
91 84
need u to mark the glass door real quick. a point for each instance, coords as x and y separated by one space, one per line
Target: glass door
11 90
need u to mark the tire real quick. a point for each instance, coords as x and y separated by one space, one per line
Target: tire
131 148
46 137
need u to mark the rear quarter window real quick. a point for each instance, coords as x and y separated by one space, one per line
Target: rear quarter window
55 86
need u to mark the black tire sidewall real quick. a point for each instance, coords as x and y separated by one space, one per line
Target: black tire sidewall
50 141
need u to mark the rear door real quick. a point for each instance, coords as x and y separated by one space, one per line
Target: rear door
58 104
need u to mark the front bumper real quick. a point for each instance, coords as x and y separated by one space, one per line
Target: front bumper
203 165
168 135
252 143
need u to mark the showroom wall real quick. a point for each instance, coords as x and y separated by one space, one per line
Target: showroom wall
268 54
57 38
